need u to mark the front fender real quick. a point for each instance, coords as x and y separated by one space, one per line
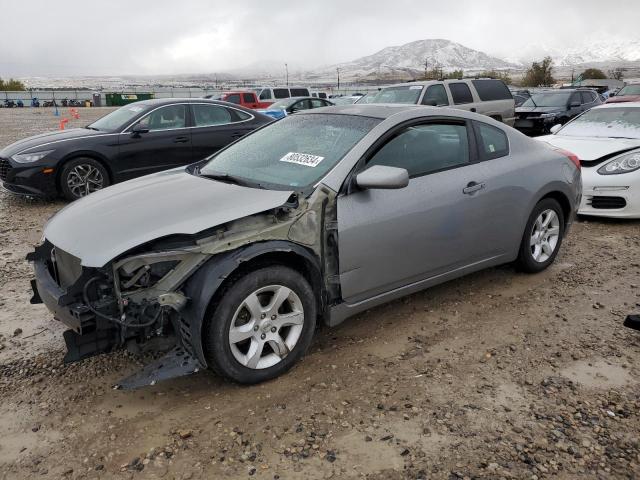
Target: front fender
202 285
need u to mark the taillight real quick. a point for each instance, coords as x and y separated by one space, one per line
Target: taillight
571 156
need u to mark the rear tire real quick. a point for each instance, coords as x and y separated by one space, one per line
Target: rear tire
542 237
82 176
261 325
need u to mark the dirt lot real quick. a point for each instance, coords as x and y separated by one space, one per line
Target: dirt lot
497 375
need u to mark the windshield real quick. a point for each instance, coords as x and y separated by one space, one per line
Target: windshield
605 122
404 94
281 104
119 118
548 100
629 90
292 153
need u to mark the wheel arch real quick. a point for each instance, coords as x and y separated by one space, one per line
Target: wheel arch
82 154
564 202
210 281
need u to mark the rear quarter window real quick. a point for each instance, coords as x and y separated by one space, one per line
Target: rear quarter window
492 141
460 93
491 90
299 92
281 92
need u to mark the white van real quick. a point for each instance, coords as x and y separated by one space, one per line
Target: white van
271 94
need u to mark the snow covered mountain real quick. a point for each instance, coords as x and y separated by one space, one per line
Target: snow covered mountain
410 59
611 50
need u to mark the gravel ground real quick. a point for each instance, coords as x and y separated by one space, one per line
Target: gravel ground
497 375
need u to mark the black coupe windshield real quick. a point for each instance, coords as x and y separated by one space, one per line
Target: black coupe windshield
622 122
119 118
547 100
293 153
405 94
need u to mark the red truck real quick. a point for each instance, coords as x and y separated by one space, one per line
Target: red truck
244 98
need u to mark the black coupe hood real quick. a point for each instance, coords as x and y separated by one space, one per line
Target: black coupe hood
43 141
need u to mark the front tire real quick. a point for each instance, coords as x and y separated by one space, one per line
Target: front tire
261 325
82 176
542 237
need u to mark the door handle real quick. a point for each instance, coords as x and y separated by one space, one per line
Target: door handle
181 140
473 187
473 109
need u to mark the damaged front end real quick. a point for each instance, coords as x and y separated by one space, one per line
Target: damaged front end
131 303
155 296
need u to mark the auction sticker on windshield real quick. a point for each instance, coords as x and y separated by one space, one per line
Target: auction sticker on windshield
302 159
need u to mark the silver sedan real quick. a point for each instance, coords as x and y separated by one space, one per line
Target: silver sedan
316 217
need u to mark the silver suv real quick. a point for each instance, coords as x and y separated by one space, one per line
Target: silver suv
483 95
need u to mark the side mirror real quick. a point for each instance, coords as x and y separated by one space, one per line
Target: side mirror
574 104
430 102
612 94
383 177
138 128
555 128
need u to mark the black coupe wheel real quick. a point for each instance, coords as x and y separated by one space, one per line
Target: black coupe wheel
261 326
82 176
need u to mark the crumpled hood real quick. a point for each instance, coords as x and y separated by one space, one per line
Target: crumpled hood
44 140
109 222
590 148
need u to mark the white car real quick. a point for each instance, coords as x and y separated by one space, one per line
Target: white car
606 139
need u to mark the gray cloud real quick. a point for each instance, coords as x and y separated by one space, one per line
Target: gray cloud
40 37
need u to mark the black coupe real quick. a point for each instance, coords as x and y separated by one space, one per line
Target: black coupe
134 140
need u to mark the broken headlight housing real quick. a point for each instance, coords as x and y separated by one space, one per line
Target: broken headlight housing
629 162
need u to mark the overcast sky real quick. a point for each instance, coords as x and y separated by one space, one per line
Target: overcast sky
117 37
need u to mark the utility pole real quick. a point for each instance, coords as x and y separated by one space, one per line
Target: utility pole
286 69
426 67
338 72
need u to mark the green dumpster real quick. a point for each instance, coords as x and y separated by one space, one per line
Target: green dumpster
119 99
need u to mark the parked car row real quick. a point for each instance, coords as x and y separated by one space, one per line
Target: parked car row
237 249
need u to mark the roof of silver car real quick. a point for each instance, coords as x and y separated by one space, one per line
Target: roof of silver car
365 110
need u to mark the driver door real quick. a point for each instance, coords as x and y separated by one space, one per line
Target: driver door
392 238
166 144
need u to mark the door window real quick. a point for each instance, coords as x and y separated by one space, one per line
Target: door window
234 98
427 148
435 93
207 115
248 98
301 105
587 97
493 141
575 98
165 118
315 103
460 93
265 94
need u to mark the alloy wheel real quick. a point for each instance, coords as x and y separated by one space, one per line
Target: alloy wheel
545 234
84 179
266 326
